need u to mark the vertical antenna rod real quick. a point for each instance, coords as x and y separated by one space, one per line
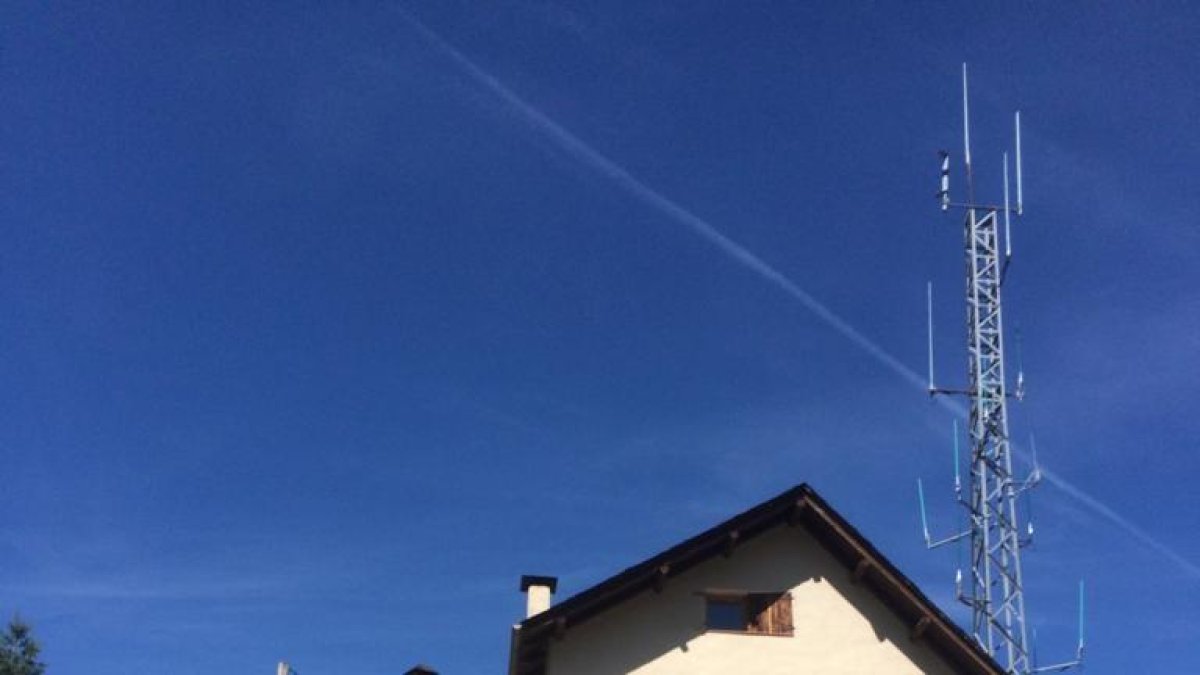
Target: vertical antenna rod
1079 648
1020 200
929 308
1007 227
993 587
966 123
957 482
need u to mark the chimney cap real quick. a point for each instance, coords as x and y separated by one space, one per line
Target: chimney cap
528 580
421 669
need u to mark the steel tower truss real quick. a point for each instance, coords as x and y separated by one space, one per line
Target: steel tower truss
997 598
996 593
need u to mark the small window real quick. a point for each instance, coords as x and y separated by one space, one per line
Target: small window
754 613
725 614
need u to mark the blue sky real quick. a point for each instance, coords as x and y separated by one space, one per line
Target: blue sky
322 324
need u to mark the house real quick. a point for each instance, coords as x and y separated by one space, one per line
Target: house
786 587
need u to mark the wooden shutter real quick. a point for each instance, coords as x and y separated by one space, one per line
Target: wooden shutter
758 612
781 615
769 613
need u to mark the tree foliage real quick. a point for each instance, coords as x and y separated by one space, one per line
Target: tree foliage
19 650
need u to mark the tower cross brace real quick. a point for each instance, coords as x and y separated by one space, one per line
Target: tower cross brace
997 598
996 595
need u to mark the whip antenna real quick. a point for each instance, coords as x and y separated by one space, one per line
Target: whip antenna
993 586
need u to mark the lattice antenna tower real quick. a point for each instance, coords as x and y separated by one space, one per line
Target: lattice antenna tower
995 590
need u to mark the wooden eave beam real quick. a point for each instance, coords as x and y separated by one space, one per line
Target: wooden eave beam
731 542
796 513
922 625
860 570
659 581
901 592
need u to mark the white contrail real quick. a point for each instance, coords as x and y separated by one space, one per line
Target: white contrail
584 153
572 145
1121 521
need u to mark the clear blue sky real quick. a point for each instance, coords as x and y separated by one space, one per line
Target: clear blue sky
315 335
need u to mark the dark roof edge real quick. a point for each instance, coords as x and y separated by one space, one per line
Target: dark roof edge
647 568
798 505
964 643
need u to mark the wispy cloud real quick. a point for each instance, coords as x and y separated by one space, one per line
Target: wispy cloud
577 149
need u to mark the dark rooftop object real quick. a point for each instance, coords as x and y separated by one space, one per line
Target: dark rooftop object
534 580
800 506
421 669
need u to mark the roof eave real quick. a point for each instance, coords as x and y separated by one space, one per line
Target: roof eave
798 506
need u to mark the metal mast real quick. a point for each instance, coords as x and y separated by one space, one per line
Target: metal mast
996 592
997 597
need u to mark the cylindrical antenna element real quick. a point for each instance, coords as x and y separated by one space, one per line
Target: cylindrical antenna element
1020 392
1081 616
1020 200
966 121
957 484
944 193
929 315
924 519
1007 227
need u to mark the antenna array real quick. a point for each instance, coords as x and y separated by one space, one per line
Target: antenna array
995 588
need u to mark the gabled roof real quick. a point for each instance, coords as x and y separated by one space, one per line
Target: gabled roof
800 506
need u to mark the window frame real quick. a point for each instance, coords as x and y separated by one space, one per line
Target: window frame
776 606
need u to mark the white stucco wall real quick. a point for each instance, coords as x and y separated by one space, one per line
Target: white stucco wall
840 628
